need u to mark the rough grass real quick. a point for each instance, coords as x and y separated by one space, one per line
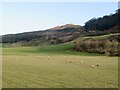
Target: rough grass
58 72
103 36
96 37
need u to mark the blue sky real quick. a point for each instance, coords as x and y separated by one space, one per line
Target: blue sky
24 17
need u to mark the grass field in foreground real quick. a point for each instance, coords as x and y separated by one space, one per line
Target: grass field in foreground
58 72
29 67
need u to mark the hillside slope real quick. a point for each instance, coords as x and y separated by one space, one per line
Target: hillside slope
55 35
106 44
65 33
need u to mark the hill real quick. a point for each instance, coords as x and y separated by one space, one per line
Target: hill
55 35
65 33
70 26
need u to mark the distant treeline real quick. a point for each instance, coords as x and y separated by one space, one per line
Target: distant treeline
104 23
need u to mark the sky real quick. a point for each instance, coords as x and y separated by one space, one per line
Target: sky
18 17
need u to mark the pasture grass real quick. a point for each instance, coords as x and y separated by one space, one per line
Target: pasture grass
61 49
38 72
29 67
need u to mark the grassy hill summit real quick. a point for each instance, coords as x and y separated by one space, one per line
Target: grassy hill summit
65 26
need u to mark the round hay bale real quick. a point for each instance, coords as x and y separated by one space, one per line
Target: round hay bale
81 61
93 66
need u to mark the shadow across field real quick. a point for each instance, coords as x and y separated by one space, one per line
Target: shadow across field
61 49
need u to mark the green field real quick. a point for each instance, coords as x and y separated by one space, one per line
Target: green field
29 67
38 71
61 49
